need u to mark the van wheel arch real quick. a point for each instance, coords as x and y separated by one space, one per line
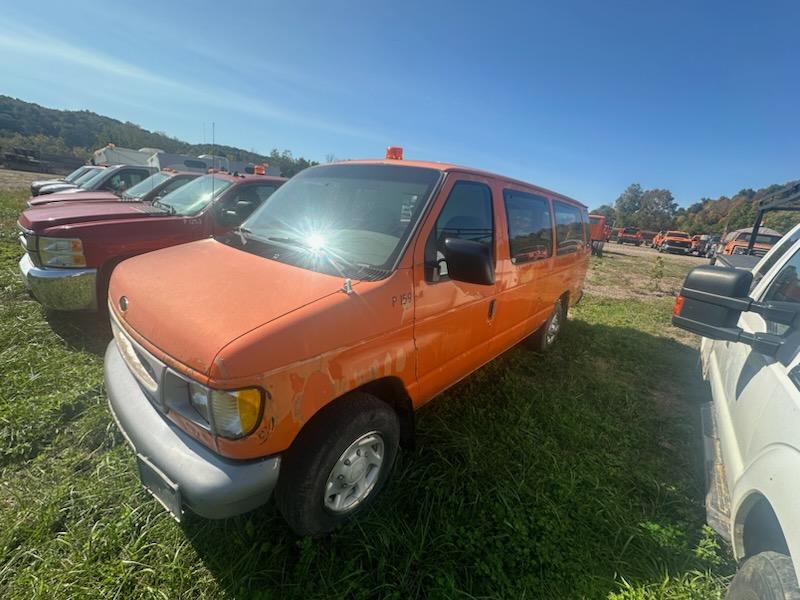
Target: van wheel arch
757 529
392 392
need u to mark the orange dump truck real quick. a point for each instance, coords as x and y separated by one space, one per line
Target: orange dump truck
290 355
598 232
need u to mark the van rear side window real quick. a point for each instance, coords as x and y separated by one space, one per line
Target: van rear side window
530 228
569 228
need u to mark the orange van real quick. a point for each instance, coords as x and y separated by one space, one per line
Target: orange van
290 355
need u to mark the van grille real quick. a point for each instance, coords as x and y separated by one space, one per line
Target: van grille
146 368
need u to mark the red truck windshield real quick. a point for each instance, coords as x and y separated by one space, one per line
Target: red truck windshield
193 197
146 185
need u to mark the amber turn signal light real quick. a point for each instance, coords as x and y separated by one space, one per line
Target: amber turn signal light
676 310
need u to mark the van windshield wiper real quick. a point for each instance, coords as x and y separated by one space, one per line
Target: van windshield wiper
289 240
357 268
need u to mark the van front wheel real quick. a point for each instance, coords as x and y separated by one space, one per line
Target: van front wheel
765 576
338 464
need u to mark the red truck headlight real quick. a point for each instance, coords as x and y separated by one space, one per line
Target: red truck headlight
61 252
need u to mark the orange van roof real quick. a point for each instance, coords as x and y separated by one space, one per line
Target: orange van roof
451 168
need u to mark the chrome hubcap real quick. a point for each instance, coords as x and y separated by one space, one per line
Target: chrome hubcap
555 325
355 473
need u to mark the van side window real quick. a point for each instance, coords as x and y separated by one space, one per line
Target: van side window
467 215
530 229
569 227
784 288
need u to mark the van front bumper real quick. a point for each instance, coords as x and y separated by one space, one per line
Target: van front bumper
60 289
210 485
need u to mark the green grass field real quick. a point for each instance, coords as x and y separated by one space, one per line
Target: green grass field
573 475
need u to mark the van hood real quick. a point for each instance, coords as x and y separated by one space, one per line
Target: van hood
190 301
76 197
69 213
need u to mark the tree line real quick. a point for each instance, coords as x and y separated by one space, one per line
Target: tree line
79 132
656 210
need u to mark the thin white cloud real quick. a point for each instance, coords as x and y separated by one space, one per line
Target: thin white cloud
25 41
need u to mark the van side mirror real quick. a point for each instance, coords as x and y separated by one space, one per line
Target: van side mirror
713 298
469 261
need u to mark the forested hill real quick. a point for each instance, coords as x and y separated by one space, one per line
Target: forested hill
738 211
655 210
80 132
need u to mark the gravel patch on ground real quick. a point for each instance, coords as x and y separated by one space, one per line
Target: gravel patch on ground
14 180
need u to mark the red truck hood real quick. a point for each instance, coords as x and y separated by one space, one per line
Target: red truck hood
76 197
68 213
190 301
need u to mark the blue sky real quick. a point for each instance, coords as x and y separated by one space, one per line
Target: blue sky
582 97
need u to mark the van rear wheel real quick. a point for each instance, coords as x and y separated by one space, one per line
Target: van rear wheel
765 576
338 464
547 334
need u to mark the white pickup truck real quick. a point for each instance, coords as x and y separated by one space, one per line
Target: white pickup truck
750 355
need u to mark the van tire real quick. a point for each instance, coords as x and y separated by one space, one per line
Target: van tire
765 576
319 448
540 341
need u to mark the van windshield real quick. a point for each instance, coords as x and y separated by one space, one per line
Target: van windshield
631 230
344 219
193 197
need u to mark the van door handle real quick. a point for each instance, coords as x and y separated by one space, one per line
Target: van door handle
491 308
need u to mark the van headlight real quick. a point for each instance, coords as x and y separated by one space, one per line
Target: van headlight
61 252
231 414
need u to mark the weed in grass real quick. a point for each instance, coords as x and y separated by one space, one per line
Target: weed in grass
657 273
567 475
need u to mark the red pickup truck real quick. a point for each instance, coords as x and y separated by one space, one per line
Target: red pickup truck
157 185
72 248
